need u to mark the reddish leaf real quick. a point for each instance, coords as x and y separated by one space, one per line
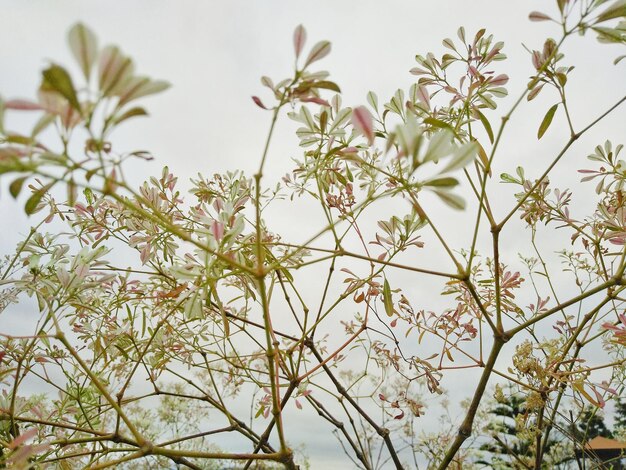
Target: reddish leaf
299 38
258 102
19 440
314 99
363 122
534 92
22 105
217 228
423 95
500 80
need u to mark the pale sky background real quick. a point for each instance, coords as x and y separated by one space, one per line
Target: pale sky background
214 52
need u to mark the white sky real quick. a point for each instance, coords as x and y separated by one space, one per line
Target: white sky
215 52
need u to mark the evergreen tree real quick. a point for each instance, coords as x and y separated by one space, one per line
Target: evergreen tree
509 444
590 424
620 414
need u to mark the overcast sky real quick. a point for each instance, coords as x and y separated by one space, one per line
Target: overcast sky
214 53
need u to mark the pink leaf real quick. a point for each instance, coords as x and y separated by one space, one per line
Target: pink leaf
22 105
610 326
606 386
218 230
314 99
599 397
19 440
298 405
299 38
363 122
500 80
423 95
144 254
258 102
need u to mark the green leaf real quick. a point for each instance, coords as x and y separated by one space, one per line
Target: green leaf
452 200
387 301
72 192
431 121
327 85
10 160
506 178
449 44
465 154
84 46
486 125
132 112
547 120
319 51
42 124
323 120
19 139
440 145
445 182
16 186
372 99
89 197
35 199
617 10
56 78
137 87
609 35
482 155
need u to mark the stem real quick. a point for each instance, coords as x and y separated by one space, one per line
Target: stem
465 430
